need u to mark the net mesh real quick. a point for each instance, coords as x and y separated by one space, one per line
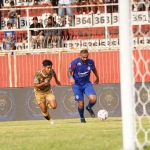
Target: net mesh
141 67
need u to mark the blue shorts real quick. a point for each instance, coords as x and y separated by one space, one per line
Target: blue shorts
79 91
61 10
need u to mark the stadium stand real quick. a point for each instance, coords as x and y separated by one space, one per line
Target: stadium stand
85 29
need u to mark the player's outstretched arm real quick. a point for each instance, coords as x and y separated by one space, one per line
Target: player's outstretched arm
56 80
69 74
96 75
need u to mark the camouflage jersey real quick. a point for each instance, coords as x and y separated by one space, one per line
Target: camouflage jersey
40 77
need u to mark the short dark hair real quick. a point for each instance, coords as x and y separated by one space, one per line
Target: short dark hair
47 63
83 51
50 17
35 18
12 2
8 23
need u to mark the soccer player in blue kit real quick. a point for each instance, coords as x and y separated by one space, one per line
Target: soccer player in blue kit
79 74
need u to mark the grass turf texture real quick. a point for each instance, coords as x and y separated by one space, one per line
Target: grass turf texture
66 134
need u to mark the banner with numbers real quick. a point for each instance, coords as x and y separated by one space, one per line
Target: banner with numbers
21 3
85 20
140 17
91 43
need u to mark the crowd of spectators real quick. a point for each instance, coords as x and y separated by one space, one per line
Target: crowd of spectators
47 38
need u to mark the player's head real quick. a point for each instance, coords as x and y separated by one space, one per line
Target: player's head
84 55
47 64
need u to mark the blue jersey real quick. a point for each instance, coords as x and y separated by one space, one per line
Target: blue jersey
9 33
82 70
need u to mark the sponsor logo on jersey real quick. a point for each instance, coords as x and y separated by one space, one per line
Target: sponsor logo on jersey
79 64
88 68
83 74
77 96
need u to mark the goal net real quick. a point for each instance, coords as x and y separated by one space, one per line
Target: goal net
138 50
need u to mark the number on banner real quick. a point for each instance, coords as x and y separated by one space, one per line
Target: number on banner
3 23
115 20
140 17
7 2
102 20
58 19
108 19
18 2
72 44
23 22
83 20
19 46
31 2
90 43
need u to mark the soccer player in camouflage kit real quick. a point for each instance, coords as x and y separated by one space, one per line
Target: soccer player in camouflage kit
42 88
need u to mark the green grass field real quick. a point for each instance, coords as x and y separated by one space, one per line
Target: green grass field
67 134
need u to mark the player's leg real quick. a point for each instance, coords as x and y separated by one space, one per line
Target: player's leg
81 110
51 100
78 94
41 100
44 110
90 93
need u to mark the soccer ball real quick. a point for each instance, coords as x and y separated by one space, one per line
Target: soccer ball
102 114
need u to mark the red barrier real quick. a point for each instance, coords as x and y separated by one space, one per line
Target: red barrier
107 64
4 72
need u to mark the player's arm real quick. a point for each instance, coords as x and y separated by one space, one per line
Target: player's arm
96 75
37 84
56 80
70 73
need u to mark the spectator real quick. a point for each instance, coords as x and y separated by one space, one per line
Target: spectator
52 35
135 6
46 2
109 7
9 39
80 9
36 36
140 5
147 5
55 3
62 13
12 15
91 2
36 2
115 7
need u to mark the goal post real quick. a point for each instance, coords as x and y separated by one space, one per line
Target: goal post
126 74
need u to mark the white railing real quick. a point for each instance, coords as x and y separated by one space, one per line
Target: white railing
95 22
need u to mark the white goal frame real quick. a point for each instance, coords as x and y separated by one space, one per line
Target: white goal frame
126 74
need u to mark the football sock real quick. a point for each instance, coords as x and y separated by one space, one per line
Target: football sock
47 115
81 112
90 105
